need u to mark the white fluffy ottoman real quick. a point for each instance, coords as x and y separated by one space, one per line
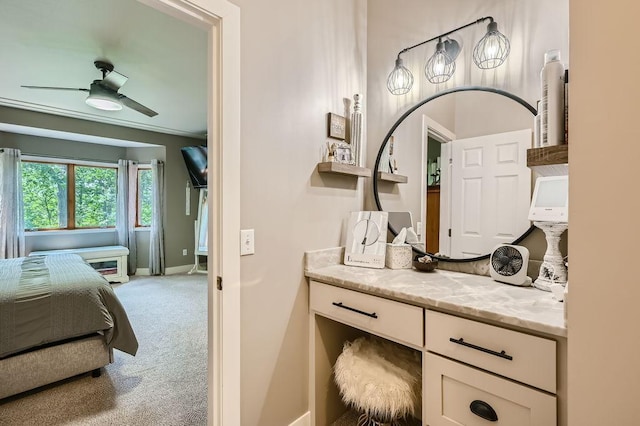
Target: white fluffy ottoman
379 378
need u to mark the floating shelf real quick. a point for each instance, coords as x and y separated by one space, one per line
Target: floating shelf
343 169
549 160
392 177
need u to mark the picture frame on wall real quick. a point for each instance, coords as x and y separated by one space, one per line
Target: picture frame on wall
337 126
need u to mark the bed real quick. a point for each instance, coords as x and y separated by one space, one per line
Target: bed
58 318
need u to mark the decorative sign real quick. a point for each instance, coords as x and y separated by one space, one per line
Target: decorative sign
337 126
366 239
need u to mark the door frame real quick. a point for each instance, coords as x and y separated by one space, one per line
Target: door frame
221 20
437 131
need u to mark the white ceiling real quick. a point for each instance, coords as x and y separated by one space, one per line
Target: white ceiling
55 42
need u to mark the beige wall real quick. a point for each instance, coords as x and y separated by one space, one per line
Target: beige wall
299 60
604 341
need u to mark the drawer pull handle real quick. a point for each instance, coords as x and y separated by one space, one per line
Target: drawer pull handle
349 308
501 354
484 410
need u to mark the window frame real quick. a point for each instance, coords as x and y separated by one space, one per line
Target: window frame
141 167
71 186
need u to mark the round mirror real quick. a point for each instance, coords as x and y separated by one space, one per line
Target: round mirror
454 167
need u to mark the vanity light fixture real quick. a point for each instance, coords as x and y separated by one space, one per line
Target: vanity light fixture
490 52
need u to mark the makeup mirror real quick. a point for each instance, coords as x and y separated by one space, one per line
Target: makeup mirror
467 186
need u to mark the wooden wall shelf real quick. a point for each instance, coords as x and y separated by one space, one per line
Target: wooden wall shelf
549 160
343 169
392 177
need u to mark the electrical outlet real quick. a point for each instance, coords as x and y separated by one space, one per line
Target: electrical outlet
247 244
184 252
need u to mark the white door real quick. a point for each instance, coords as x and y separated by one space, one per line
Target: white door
490 192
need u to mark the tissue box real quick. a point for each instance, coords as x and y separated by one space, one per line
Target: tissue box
398 256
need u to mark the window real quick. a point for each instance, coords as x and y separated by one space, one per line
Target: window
68 196
44 188
95 197
145 188
78 195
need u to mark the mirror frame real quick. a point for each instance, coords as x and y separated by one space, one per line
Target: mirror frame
409 112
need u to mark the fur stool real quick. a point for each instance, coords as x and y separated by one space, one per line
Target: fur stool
380 379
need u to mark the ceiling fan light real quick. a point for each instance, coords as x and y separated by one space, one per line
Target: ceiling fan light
492 49
440 67
103 102
103 98
400 80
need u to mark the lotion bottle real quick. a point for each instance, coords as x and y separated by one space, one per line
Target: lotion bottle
552 102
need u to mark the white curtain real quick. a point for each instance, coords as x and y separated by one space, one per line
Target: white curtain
126 200
156 243
11 208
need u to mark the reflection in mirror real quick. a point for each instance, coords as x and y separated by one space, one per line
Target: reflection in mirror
468 187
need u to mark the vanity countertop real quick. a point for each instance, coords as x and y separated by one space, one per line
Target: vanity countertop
473 295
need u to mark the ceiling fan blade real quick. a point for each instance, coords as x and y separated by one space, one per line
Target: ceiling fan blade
136 106
114 80
55 88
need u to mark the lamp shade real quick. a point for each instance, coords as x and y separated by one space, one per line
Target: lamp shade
400 80
440 67
492 49
102 98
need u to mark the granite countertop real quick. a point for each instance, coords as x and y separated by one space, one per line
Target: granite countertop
473 295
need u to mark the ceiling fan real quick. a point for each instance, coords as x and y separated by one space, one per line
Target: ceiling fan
103 94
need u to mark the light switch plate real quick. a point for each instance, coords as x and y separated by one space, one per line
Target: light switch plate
247 244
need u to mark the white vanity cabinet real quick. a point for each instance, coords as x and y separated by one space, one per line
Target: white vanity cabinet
498 360
460 373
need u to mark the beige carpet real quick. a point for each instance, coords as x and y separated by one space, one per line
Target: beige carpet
164 384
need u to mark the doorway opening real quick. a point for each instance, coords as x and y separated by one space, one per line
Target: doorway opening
221 20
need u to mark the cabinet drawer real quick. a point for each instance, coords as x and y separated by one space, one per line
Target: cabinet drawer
528 359
453 389
387 318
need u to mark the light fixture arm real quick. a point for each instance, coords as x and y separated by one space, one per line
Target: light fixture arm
478 21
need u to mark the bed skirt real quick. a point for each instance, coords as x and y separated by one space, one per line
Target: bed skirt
32 369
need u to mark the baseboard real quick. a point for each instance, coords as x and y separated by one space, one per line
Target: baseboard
182 269
304 420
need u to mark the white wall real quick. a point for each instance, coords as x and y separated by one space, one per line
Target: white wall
299 60
604 343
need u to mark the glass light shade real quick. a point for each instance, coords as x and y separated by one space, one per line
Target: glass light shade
102 98
103 103
400 80
440 67
492 49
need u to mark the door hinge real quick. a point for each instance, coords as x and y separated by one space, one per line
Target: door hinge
449 232
219 283
450 160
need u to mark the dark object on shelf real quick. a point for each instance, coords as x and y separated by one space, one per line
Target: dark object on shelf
195 158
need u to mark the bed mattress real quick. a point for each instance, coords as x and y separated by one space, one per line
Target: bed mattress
45 299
